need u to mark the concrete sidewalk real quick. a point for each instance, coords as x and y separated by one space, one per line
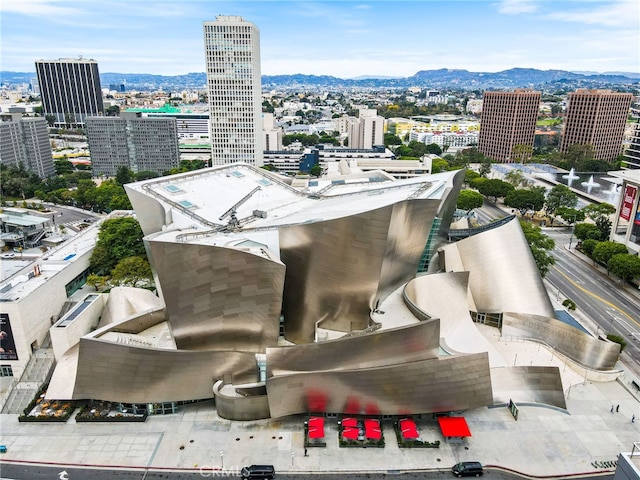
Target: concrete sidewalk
543 441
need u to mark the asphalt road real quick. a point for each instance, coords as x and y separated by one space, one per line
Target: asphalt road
601 298
9 471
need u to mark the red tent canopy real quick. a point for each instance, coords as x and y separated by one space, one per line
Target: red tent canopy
350 433
316 427
408 428
372 429
454 427
349 422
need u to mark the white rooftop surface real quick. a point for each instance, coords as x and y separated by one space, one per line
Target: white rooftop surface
204 196
18 276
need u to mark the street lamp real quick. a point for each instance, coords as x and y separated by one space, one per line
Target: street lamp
573 226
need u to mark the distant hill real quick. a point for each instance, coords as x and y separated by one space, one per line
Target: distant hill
441 78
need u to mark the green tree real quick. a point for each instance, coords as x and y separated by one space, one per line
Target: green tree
539 244
485 168
525 200
145 175
391 139
585 231
521 153
495 188
119 238
625 266
578 153
517 179
470 175
596 210
434 148
439 165
570 215
589 245
604 225
605 250
131 271
63 166
97 281
468 200
316 170
124 175
560 196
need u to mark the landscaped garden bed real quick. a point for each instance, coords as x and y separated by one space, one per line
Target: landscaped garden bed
42 410
96 411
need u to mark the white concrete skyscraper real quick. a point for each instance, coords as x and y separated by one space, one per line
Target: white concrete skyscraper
232 50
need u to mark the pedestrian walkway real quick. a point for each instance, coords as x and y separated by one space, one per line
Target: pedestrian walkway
542 441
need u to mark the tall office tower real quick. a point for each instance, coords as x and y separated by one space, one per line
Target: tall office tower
632 153
596 117
508 119
139 143
367 130
25 142
232 50
70 90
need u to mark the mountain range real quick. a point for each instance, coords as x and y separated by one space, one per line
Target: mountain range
441 78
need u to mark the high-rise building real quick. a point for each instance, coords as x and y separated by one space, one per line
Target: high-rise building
24 141
597 118
367 130
508 119
232 50
140 143
70 90
632 153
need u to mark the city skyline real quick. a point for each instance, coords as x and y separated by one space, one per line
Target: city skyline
347 39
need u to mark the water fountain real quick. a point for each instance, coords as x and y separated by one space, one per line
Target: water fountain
590 183
571 175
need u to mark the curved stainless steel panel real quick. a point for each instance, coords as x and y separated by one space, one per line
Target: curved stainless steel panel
338 270
249 403
504 276
124 302
435 385
445 296
579 346
125 373
150 213
384 347
219 298
528 385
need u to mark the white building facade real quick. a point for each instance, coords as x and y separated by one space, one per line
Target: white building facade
232 51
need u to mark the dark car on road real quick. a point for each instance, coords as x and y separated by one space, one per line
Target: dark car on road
467 469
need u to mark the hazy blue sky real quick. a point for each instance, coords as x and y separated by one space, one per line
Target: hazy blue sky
340 37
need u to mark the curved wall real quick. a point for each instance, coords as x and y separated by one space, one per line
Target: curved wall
434 385
339 269
250 404
528 384
579 346
384 347
219 298
131 374
149 212
503 274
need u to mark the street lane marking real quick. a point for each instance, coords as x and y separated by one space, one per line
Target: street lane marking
598 297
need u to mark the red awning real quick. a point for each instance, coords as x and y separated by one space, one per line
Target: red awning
350 433
454 427
316 427
316 422
372 429
349 422
408 429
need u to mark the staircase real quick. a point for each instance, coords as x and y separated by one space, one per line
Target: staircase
37 373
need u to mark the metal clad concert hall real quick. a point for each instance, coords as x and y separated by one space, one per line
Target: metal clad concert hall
344 296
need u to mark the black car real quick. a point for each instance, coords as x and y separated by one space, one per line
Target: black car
467 469
258 471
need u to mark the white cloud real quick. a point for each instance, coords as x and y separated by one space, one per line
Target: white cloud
614 13
515 7
38 8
